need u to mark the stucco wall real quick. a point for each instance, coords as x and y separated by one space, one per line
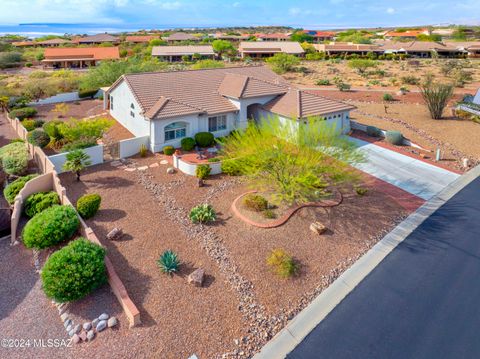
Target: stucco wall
95 153
243 104
132 146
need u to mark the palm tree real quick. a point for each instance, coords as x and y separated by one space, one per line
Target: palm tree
76 161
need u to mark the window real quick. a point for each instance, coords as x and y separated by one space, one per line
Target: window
132 113
175 130
132 106
217 123
111 103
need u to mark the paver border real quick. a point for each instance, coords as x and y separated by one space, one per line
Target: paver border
304 322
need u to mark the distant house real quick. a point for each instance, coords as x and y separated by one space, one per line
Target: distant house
263 49
232 38
139 39
78 57
423 49
405 35
23 43
180 36
320 36
46 43
96 39
469 48
176 53
169 106
349 48
273 37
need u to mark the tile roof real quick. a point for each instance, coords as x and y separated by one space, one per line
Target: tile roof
140 38
96 39
182 50
75 53
243 86
54 42
415 46
319 33
181 36
289 47
347 47
23 43
302 104
408 33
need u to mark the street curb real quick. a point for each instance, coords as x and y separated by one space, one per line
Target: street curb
304 322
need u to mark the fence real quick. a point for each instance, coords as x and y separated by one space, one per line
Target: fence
132 146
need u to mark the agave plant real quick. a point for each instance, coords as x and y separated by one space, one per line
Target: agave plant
168 262
203 213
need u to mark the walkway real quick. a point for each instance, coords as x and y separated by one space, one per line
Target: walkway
414 176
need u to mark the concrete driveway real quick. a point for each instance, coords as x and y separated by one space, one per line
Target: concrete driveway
414 176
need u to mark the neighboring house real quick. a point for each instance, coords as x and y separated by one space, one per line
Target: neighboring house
232 38
96 39
140 39
46 43
176 53
78 57
405 35
23 43
320 36
348 48
266 49
423 49
180 36
470 48
169 106
273 37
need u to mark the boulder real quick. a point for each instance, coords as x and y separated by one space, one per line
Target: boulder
87 326
170 170
90 335
103 316
112 322
76 329
64 316
83 336
101 325
115 234
76 339
318 228
196 277
95 322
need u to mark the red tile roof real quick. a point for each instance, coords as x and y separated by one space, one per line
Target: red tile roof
140 38
75 53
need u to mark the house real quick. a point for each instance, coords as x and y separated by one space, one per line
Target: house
423 49
347 48
78 57
23 43
46 43
180 36
320 36
232 38
273 37
140 39
469 48
176 53
96 39
405 35
266 49
169 106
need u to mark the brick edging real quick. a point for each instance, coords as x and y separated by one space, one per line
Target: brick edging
282 220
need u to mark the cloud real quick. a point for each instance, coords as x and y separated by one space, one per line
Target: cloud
390 10
237 4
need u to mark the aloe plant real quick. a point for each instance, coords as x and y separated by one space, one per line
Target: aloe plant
168 262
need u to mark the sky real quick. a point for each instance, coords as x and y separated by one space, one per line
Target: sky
315 14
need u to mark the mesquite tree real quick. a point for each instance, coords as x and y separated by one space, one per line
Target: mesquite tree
436 96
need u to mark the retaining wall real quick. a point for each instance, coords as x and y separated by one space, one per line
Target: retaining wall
190 168
61 97
95 153
132 146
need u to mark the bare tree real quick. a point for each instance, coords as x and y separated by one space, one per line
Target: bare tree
436 96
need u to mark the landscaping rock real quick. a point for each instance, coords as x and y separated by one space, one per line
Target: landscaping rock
318 228
83 336
67 323
112 322
103 316
64 317
142 168
87 326
77 328
153 165
115 234
69 328
95 322
71 333
101 325
90 335
196 277
76 339
164 162
170 170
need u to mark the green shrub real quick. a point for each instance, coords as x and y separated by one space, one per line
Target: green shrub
394 137
410 80
87 93
282 263
169 150
188 143
204 139
52 129
78 130
255 202
323 82
79 144
29 124
14 188
17 140
202 171
74 271
37 202
361 191
268 213
387 97
14 158
203 213
88 205
168 262
38 138
230 168
38 123
23 112
373 131
213 160
50 227
143 150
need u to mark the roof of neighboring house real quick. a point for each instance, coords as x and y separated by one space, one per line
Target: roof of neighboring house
272 36
303 104
140 38
408 33
182 50
23 43
81 53
467 45
342 46
181 36
96 39
231 37
319 33
57 41
243 86
418 46
289 47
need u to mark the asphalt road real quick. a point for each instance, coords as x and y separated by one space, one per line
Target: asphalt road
422 301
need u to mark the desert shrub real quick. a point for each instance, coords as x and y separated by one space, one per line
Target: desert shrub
52 130
361 191
342 86
213 159
282 62
14 158
361 65
88 205
315 56
436 96
23 112
87 93
208 64
13 189
323 82
169 150
203 213
29 124
387 97
37 202
168 262
74 271
187 143
394 137
255 202
204 139
268 213
282 263
79 144
143 150
50 227
230 168
38 138
373 131
75 130
203 171
410 80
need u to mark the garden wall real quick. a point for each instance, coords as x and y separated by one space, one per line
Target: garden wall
95 153
131 146
190 168
61 97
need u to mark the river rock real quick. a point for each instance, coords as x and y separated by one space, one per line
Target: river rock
101 325
318 228
103 316
112 322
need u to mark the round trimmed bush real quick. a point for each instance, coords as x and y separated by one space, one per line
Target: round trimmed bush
168 150
23 112
88 205
52 129
14 158
255 202
74 271
373 131
50 227
14 188
38 202
38 138
188 143
202 171
394 137
205 139
387 97
29 124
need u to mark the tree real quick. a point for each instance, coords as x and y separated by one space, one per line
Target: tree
10 59
282 62
361 65
436 96
223 47
76 162
308 48
300 36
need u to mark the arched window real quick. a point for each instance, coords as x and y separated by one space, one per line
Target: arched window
175 130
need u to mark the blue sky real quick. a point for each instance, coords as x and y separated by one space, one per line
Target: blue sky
191 13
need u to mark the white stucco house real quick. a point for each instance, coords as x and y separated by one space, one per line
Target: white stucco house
169 106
